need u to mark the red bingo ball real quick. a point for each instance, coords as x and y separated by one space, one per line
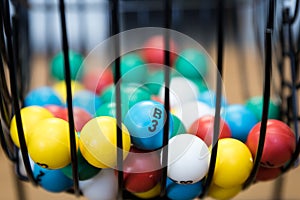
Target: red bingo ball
204 129
153 51
267 174
280 143
142 171
97 79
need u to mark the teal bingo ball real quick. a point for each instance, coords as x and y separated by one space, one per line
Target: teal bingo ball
52 180
145 122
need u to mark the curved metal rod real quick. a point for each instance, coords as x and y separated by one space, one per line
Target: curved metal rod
65 47
115 22
5 10
266 94
220 49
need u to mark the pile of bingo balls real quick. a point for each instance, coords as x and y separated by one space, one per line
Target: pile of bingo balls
191 122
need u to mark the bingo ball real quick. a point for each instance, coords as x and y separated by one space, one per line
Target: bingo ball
102 186
154 50
109 109
154 81
49 143
142 171
133 68
280 143
52 180
57 111
98 142
42 96
188 159
209 97
240 120
76 67
154 192
61 89
87 100
204 129
183 191
178 127
220 193
189 112
255 104
181 90
31 116
85 170
131 93
145 122
97 79
192 63
233 164
267 174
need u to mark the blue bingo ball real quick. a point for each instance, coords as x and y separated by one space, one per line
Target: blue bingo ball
145 122
209 97
87 100
52 180
240 120
183 191
42 96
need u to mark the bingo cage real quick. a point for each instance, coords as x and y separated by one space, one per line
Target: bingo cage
157 99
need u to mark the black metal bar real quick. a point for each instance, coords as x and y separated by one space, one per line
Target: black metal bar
220 49
14 88
65 47
294 97
167 26
266 94
115 21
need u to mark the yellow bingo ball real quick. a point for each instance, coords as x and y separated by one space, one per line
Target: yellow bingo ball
155 191
31 115
233 164
60 88
49 143
220 193
98 142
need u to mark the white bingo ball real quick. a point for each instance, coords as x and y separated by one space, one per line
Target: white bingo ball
103 186
191 111
188 159
22 166
182 90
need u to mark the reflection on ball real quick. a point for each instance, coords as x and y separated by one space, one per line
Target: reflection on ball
48 144
98 142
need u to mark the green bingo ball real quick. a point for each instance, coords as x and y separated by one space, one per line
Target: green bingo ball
133 68
192 63
178 126
85 170
155 81
58 70
109 109
131 93
255 104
